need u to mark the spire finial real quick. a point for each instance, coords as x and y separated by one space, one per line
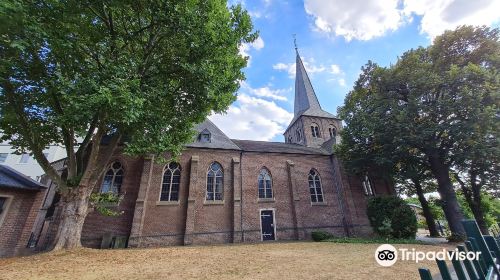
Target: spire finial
295 42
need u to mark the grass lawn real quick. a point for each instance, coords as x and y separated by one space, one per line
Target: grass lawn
294 260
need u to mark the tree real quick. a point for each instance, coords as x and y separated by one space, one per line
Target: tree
140 73
419 183
476 166
426 102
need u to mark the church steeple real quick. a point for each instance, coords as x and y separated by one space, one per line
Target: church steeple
305 97
311 126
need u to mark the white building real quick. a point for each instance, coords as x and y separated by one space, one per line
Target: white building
27 164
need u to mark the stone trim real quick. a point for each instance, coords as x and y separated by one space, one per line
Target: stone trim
191 202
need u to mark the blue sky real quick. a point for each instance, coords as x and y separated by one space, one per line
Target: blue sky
334 38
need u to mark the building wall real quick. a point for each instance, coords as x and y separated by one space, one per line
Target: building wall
31 168
97 225
191 220
163 223
306 139
292 202
16 227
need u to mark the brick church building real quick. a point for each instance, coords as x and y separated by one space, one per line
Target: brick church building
224 190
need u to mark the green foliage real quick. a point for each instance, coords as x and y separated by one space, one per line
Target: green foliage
373 240
436 208
321 235
105 203
421 224
489 204
404 222
145 70
385 229
137 73
435 109
391 217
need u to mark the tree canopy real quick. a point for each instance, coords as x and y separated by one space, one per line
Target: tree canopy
140 73
438 103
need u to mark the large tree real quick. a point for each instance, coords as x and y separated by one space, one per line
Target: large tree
139 72
427 102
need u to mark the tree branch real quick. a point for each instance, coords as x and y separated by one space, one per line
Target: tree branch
26 132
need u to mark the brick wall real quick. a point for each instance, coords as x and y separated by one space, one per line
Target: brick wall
17 225
192 220
97 225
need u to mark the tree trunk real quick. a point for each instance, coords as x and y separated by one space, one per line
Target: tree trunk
477 211
429 219
475 204
74 211
451 208
473 198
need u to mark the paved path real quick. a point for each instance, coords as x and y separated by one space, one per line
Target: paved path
423 235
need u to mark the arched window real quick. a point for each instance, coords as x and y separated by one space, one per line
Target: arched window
215 178
332 131
315 130
367 186
298 135
112 182
265 184
171 182
315 186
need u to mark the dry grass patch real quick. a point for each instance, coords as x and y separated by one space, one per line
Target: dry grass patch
295 260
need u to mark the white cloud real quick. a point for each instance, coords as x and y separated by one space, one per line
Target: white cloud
309 64
335 69
367 19
342 82
438 16
253 118
258 44
275 94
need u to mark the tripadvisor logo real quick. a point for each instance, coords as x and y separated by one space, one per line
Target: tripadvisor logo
387 255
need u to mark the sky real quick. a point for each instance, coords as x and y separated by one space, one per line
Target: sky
335 38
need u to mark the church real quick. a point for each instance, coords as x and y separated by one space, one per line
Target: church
224 190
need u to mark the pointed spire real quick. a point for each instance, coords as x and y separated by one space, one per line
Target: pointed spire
305 97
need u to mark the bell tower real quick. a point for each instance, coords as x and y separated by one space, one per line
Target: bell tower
311 126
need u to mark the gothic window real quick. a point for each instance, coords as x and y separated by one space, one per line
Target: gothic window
113 179
332 131
265 184
171 182
289 139
315 186
215 177
367 187
315 130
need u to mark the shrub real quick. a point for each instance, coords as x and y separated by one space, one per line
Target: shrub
391 217
404 222
321 235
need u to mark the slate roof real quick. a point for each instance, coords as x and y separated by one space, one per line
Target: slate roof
306 101
218 140
10 178
277 147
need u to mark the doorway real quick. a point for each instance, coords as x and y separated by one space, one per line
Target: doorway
267 225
